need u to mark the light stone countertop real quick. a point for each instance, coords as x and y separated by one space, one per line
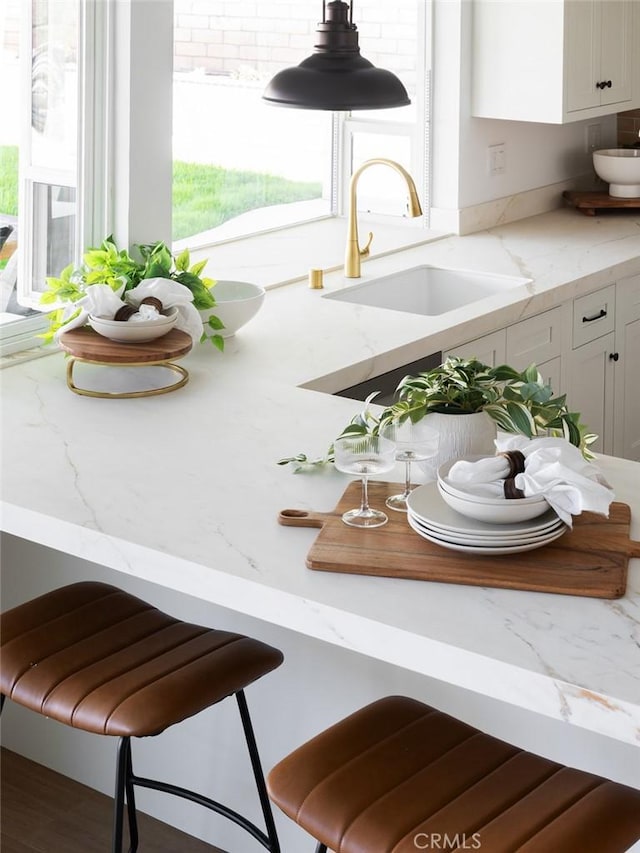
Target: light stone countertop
183 489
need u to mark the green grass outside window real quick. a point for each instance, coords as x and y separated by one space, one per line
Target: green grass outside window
203 196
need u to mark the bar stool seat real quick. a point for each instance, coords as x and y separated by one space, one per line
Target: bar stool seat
98 659
398 776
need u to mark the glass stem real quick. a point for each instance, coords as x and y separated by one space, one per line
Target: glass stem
407 478
364 502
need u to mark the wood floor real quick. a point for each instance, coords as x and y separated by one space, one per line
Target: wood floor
44 812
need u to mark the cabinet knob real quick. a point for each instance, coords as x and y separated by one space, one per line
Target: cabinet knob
603 84
614 356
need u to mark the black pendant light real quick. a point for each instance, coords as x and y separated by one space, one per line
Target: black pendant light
336 76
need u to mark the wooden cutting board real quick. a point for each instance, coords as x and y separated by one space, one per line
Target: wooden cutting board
590 560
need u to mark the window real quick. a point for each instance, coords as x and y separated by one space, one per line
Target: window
243 166
55 52
96 117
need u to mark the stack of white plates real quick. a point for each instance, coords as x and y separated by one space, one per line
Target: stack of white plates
436 521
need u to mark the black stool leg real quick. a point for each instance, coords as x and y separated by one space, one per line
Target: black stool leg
321 848
274 844
131 804
124 786
118 812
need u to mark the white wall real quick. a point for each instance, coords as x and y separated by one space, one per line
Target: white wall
317 685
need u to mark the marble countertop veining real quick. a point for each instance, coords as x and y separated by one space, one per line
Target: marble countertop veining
183 489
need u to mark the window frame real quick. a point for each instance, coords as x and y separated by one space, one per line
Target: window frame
91 176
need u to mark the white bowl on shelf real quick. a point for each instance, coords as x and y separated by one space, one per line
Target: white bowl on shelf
620 168
237 302
128 332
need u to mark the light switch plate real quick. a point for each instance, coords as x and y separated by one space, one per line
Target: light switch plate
497 159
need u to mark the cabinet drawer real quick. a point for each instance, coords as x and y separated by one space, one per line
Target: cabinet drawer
594 315
536 340
490 349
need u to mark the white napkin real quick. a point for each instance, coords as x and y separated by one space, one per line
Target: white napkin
553 468
557 470
144 314
170 293
481 472
99 300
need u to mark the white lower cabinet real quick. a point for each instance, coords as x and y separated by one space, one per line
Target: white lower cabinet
626 366
537 340
590 390
602 375
588 349
490 349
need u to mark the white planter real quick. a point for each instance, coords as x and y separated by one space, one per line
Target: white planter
460 435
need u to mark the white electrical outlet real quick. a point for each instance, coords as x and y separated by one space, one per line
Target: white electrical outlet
497 160
594 137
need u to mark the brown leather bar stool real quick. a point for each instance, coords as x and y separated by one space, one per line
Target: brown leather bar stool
399 777
96 658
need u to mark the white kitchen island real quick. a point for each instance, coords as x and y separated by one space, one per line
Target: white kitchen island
180 493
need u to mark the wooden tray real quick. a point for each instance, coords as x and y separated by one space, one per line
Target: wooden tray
590 560
589 202
86 344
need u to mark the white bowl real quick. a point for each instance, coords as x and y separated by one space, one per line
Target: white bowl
237 302
505 512
620 168
126 332
450 487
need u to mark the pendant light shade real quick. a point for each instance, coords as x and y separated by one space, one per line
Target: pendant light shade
336 76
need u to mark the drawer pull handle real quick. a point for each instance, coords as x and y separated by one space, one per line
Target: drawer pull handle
602 313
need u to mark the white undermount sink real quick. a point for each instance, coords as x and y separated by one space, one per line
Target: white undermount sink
427 290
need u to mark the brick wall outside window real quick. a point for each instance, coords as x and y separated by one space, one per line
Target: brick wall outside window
238 38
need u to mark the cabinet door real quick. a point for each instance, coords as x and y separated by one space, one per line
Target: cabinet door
626 370
583 54
616 61
536 340
490 349
598 46
590 388
550 372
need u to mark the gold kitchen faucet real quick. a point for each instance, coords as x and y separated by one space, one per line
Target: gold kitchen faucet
353 251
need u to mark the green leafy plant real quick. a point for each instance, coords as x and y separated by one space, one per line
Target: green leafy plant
117 268
519 402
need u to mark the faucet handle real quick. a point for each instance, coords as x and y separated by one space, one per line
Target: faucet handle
364 253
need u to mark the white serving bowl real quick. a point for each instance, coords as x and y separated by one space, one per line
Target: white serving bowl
620 168
237 302
496 510
450 487
126 332
499 512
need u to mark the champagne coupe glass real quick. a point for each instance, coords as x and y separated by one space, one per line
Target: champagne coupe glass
414 442
365 455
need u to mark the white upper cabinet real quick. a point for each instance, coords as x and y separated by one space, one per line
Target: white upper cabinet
555 61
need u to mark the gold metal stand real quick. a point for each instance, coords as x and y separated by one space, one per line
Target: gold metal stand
87 347
85 392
